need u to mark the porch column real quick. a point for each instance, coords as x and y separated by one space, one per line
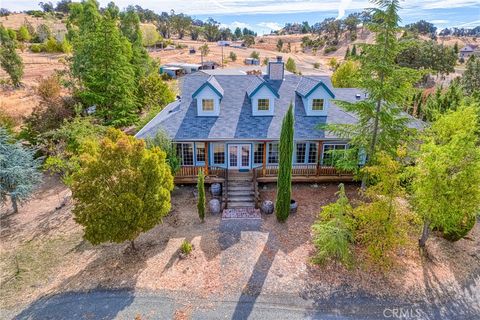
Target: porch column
264 162
319 150
206 158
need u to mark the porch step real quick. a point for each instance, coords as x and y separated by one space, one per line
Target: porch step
240 179
234 193
241 198
240 184
244 204
239 188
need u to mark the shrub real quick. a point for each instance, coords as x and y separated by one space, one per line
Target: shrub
316 65
36 48
153 92
332 233
255 55
233 56
162 141
186 247
330 49
291 66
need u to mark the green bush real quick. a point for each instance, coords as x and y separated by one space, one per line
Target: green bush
330 49
186 247
36 48
233 56
316 65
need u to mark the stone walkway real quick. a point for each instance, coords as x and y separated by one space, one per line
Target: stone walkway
241 213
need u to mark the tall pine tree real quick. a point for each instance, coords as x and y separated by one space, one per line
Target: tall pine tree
284 182
102 62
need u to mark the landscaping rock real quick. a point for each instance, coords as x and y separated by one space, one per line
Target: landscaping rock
293 206
214 206
267 207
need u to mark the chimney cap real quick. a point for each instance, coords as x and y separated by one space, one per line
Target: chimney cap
358 96
279 58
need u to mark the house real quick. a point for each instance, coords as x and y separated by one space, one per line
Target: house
229 125
468 50
252 61
175 69
209 65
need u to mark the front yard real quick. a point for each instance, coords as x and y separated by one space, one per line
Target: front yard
42 252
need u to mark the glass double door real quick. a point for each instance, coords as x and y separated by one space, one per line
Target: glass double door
239 156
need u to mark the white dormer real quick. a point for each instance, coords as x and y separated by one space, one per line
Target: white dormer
208 98
315 96
262 97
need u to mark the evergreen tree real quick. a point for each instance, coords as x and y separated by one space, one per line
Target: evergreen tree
346 75
446 185
201 195
10 61
19 170
380 125
23 34
332 233
102 62
471 76
284 182
347 53
353 53
121 189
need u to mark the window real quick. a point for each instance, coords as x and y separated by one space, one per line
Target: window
258 153
300 154
317 104
207 104
312 153
185 153
200 151
273 153
331 153
263 104
219 153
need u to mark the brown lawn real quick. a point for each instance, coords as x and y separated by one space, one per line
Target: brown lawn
42 252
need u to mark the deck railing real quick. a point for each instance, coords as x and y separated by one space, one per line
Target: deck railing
307 170
192 171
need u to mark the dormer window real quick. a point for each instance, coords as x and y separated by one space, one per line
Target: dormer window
263 104
317 104
208 105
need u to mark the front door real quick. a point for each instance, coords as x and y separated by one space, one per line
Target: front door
239 156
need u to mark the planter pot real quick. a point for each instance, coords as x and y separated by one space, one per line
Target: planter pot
293 206
214 206
216 189
267 207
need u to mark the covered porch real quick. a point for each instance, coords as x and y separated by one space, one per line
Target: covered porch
312 161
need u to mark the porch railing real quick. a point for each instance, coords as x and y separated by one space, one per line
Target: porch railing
308 170
192 171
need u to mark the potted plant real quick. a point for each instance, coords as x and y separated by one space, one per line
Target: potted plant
293 206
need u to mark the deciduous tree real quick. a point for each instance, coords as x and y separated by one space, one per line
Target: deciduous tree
446 185
121 190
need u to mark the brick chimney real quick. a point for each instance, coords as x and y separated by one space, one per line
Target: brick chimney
275 70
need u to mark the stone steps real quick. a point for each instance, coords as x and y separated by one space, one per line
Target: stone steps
240 190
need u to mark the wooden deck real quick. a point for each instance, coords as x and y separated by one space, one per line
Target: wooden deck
300 173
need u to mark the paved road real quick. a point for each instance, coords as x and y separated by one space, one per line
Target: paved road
126 304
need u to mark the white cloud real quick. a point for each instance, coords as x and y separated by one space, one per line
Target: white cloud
344 4
270 25
236 24
470 24
439 21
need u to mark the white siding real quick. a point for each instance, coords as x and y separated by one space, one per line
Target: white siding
208 93
263 93
319 93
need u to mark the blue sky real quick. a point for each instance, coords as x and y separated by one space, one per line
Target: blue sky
266 15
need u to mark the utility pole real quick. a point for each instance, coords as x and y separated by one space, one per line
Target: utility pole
222 55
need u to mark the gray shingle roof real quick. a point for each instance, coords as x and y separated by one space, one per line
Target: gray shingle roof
181 122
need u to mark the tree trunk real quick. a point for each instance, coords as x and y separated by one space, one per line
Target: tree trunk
14 203
425 233
132 243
